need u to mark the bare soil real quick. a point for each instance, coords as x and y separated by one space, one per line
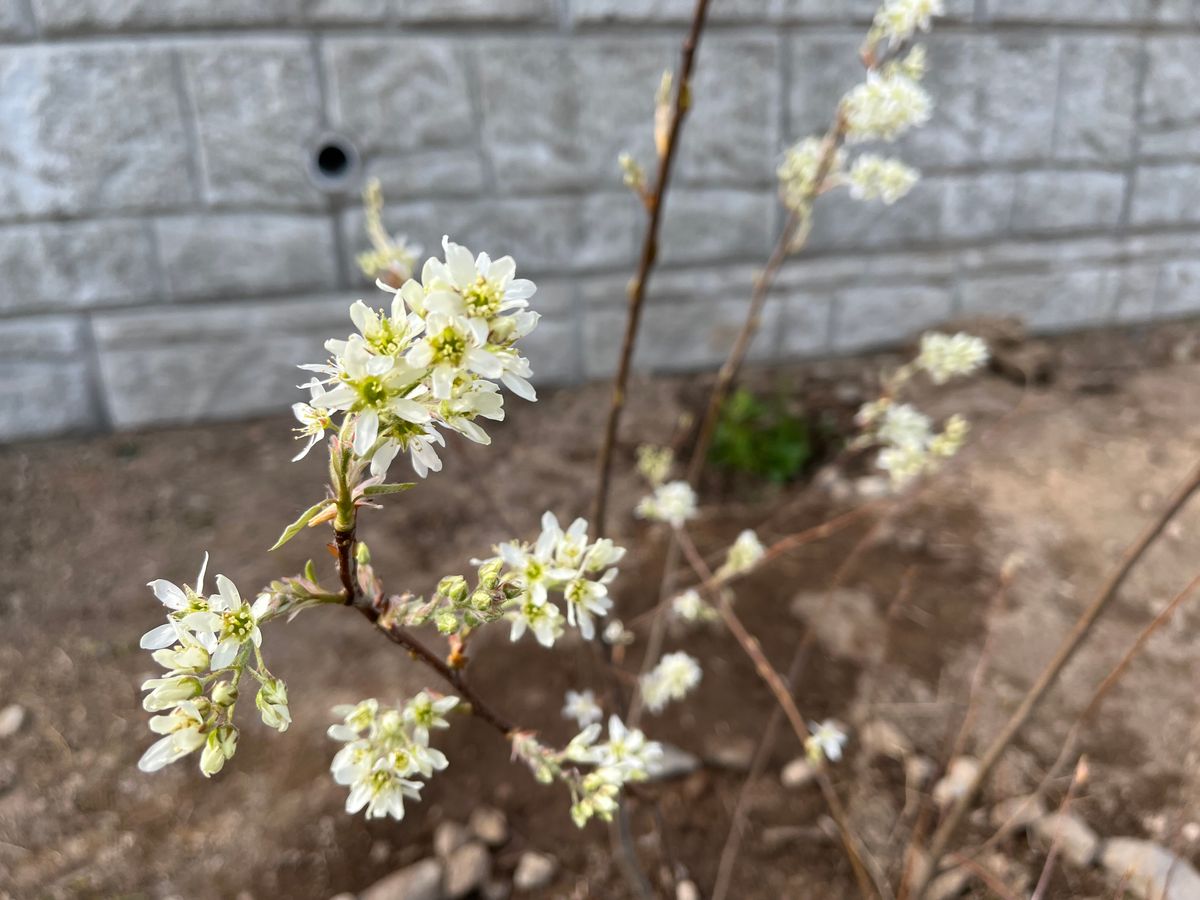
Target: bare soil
1061 476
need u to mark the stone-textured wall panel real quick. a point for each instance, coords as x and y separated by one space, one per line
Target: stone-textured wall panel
1065 200
1180 289
859 11
691 234
265 253
15 21
1097 118
45 387
346 12
212 362
882 315
1167 195
1092 12
456 11
1171 117
258 112
90 129
85 16
590 11
401 93
53 266
1045 301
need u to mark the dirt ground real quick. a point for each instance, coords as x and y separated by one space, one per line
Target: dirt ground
1060 477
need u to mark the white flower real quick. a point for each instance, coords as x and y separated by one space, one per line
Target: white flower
183 728
826 740
272 703
744 555
385 751
874 176
883 107
691 607
902 464
898 20
672 679
798 172
534 567
582 707
627 751
543 619
616 634
673 502
946 356
905 426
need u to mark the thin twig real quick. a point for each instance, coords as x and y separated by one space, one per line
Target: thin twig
1043 884
655 202
1049 676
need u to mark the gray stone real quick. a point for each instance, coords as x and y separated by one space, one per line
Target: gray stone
67 265
1170 104
254 252
258 113
453 11
798 773
1017 79
466 870
12 718
230 360
1096 116
1076 841
1149 870
113 15
44 372
444 171
687 890
1166 195
1137 292
1179 293
447 838
824 67
90 129
420 881
1044 301
806 322
1049 201
489 825
399 94
534 871
868 317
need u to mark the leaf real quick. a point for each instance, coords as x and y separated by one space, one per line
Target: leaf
377 490
292 530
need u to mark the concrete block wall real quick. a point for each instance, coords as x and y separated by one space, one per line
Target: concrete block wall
166 255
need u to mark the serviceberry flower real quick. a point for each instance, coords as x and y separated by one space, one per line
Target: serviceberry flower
672 679
946 356
744 555
673 502
825 741
877 177
801 166
899 20
386 752
886 105
691 607
582 707
391 257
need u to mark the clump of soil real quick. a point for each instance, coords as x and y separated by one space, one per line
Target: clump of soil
1062 475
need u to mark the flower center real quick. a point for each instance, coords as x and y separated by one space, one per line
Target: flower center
448 347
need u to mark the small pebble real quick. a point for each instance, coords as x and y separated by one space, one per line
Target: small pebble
12 717
467 869
489 825
534 870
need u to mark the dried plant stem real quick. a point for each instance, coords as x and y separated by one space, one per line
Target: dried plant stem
1043 884
658 627
1049 676
868 874
655 202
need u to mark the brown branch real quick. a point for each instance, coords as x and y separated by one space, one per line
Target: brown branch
655 203
1049 676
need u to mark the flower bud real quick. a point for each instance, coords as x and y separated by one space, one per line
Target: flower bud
446 622
481 600
272 704
225 693
453 588
219 746
168 692
362 555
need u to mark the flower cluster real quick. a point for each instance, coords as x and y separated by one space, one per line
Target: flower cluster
692 608
672 679
946 356
898 20
625 756
910 445
745 553
801 167
654 463
205 646
432 361
582 707
673 503
560 562
890 102
386 752
878 177
390 259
